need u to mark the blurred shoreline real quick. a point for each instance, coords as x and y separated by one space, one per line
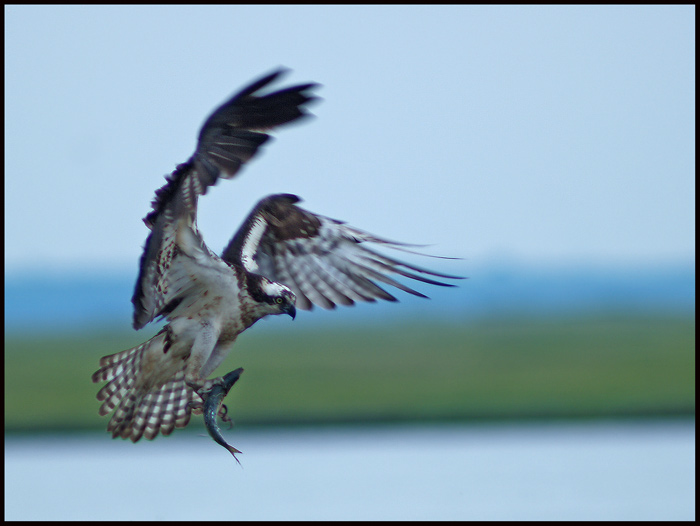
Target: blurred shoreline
72 301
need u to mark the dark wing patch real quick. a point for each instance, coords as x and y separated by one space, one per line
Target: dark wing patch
324 261
229 138
290 222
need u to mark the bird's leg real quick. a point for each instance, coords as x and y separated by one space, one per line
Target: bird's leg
202 348
200 388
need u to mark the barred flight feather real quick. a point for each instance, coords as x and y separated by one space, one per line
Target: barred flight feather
282 257
321 259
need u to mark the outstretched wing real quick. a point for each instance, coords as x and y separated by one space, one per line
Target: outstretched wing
228 139
324 261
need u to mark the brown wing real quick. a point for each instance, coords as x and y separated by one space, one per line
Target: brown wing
228 139
324 261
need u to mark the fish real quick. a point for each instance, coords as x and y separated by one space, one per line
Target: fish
213 407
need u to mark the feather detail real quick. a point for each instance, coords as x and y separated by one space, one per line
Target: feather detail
324 261
229 138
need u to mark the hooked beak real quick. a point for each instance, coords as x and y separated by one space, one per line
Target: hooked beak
291 310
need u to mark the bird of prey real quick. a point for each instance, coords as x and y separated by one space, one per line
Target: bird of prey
282 258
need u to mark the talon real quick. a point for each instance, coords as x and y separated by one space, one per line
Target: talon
223 415
196 386
195 407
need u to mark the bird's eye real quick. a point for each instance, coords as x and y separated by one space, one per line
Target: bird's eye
279 300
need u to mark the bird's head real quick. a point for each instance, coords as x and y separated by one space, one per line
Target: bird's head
279 299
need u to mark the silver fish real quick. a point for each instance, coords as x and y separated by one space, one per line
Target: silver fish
213 407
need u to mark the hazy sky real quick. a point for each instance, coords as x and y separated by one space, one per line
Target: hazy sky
541 134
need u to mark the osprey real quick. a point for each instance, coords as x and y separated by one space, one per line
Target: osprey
282 258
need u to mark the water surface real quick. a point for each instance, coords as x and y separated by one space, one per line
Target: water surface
588 471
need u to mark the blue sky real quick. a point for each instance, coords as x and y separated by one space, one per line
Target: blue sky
544 135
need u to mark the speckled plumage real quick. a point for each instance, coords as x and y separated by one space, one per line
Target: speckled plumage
281 256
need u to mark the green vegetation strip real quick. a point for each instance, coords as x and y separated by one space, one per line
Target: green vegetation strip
595 366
